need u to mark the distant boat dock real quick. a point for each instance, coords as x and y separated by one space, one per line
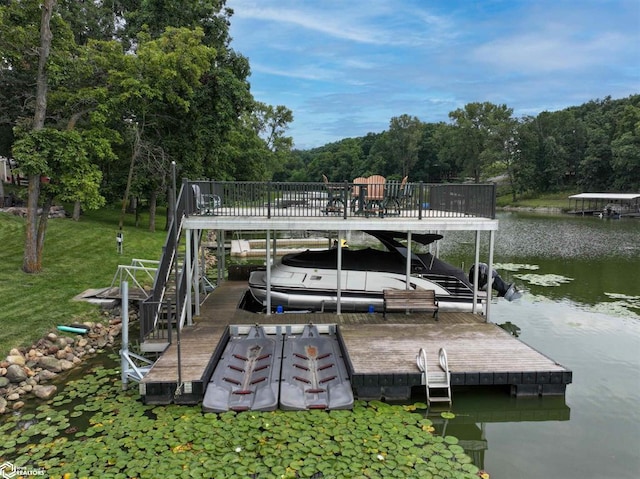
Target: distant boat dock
605 205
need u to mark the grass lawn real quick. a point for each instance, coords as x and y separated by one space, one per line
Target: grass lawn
548 200
77 256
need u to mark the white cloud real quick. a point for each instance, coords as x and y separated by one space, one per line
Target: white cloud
346 67
549 50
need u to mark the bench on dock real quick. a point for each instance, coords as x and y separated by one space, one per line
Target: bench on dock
410 300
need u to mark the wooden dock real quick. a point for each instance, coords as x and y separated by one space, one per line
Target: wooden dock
380 353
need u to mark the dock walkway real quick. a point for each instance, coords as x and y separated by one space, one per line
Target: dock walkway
380 353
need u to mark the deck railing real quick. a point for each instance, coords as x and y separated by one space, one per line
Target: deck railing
345 199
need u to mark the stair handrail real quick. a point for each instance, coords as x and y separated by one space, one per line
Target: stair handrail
152 306
421 361
444 363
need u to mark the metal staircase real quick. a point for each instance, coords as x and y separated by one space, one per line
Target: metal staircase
437 381
166 307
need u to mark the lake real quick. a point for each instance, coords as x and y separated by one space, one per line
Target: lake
581 307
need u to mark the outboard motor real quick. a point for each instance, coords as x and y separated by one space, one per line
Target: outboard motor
507 291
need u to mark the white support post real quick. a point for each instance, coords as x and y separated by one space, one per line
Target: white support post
124 351
196 270
490 280
339 275
476 273
268 251
408 260
189 272
220 256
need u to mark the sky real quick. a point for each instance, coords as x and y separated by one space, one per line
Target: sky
346 67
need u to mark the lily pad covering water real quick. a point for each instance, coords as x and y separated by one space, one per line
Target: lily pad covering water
97 430
544 279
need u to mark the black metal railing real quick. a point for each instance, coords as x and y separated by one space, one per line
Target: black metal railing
343 199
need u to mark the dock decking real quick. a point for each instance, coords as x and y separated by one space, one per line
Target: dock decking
380 353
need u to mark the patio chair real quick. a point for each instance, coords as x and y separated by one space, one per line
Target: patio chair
206 204
335 199
358 194
394 194
375 195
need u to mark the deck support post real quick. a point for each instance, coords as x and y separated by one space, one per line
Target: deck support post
339 275
268 253
492 236
196 270
220 255
188 270
408 268
476 273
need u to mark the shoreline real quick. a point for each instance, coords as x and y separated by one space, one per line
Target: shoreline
29 372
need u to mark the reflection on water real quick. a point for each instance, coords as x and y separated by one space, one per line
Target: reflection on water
581 307
474 411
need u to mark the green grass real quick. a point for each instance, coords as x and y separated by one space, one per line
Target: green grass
77 256
547 200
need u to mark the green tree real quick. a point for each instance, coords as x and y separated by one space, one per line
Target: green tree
404 135
481 129
626 151
62 157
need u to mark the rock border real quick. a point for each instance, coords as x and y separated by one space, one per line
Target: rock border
27 372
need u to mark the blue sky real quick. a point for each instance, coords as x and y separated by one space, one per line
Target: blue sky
345 68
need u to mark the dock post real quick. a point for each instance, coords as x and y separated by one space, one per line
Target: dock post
339 275
408 263
476 273
124 351
268 253
490 279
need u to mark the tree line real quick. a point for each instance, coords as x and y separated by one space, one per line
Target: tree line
101 96
591 147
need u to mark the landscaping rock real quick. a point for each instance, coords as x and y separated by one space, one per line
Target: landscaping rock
16 374
45 392
25 372
65 365
46 375
51 364
19 360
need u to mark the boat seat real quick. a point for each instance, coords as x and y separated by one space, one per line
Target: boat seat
410 300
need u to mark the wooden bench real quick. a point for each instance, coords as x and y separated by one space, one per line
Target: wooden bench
410 300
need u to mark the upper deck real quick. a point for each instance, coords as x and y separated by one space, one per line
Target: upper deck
389 205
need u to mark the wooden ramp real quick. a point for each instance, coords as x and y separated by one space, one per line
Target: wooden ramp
381 353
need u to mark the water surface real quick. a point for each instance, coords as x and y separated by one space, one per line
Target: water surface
581 307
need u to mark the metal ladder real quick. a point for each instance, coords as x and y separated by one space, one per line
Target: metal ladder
437 381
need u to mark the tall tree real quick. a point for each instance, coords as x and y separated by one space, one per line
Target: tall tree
35 230
476 134
405 133
626 151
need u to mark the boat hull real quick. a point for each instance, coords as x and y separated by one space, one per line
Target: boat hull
323 297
